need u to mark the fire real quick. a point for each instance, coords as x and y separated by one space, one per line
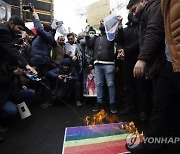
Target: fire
130 128
142 134
100 118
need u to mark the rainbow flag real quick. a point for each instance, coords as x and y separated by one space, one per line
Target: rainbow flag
98 139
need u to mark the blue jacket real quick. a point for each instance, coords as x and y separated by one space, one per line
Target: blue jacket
42 45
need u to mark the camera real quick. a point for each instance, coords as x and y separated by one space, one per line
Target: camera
28 7
65 77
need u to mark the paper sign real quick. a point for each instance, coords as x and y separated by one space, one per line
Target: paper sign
111 24
61 28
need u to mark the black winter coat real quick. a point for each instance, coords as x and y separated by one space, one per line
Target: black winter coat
128 40
8 50
9 89
151 35
103 50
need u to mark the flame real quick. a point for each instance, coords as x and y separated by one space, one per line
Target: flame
100 118
130 128
142 134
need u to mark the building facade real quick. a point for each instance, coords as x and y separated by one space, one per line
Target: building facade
44 8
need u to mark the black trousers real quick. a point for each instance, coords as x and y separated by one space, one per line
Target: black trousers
165 120
136 90
66 93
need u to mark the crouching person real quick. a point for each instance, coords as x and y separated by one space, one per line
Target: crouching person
68 84
12 92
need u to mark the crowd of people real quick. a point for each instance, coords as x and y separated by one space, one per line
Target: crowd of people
145 53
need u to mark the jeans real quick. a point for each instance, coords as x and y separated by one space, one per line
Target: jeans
27 95
10 108
105 72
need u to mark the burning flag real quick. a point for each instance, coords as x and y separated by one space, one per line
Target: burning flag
98 138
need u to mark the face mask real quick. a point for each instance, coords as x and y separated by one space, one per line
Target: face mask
91 35
82 41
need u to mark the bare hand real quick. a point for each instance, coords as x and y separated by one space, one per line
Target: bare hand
69 77
74 58
60 77
35 15
68 53
120 53
139 69
120 19
18 71
56 26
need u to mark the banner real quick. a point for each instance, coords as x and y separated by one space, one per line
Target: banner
97 11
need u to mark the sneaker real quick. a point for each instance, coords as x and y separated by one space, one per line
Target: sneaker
45 105
78 103
113 108
97 107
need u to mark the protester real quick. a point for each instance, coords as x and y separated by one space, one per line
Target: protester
71 51
135 89
10 55
103 57
8 33
68 84
40 52
58 50
153 62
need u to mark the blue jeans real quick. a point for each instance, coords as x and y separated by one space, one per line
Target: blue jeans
105 72
28 96
10 109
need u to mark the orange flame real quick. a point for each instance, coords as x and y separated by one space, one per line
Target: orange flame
100 118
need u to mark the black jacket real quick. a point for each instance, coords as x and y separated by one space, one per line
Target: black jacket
103 49
9 89
151 35
8 50
128 40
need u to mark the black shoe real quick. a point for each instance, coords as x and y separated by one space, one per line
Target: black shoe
126 111
139 149
3 130
78 103
97 107
113 108
45 105
143 117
